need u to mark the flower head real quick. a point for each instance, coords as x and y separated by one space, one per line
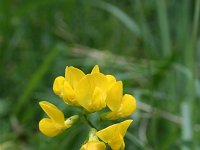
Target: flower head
114 135
90 93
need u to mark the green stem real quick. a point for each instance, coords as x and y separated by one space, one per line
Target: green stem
196 21
88 121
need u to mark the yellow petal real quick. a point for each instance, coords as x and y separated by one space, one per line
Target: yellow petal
54 113
128 105
123 126
58 85
111 80
107 133
95 69
48 128
98 80
94 145
69 95
117 143
85 89
84 92
98 99
73 75
114 96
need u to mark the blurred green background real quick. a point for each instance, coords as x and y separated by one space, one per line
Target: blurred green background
152 45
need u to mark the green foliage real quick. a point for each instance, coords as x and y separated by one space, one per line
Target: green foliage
151 45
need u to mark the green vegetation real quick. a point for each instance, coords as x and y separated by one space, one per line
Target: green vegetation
152 45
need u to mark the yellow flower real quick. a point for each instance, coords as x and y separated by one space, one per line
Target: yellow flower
91 92
56 123
114 135
93 142
64 87
120 106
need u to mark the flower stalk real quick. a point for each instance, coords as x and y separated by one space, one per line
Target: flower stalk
88 121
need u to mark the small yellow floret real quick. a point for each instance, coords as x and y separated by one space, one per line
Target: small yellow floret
64 87
114 134
56 123
120 106
93 143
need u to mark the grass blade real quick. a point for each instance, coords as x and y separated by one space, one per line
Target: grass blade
34 81
123 17
164 27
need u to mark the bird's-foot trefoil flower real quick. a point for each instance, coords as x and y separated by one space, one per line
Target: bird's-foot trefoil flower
64 86
93 142
120 105
114 135
56 123
91 92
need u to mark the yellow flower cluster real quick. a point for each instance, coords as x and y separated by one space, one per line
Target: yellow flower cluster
90 92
